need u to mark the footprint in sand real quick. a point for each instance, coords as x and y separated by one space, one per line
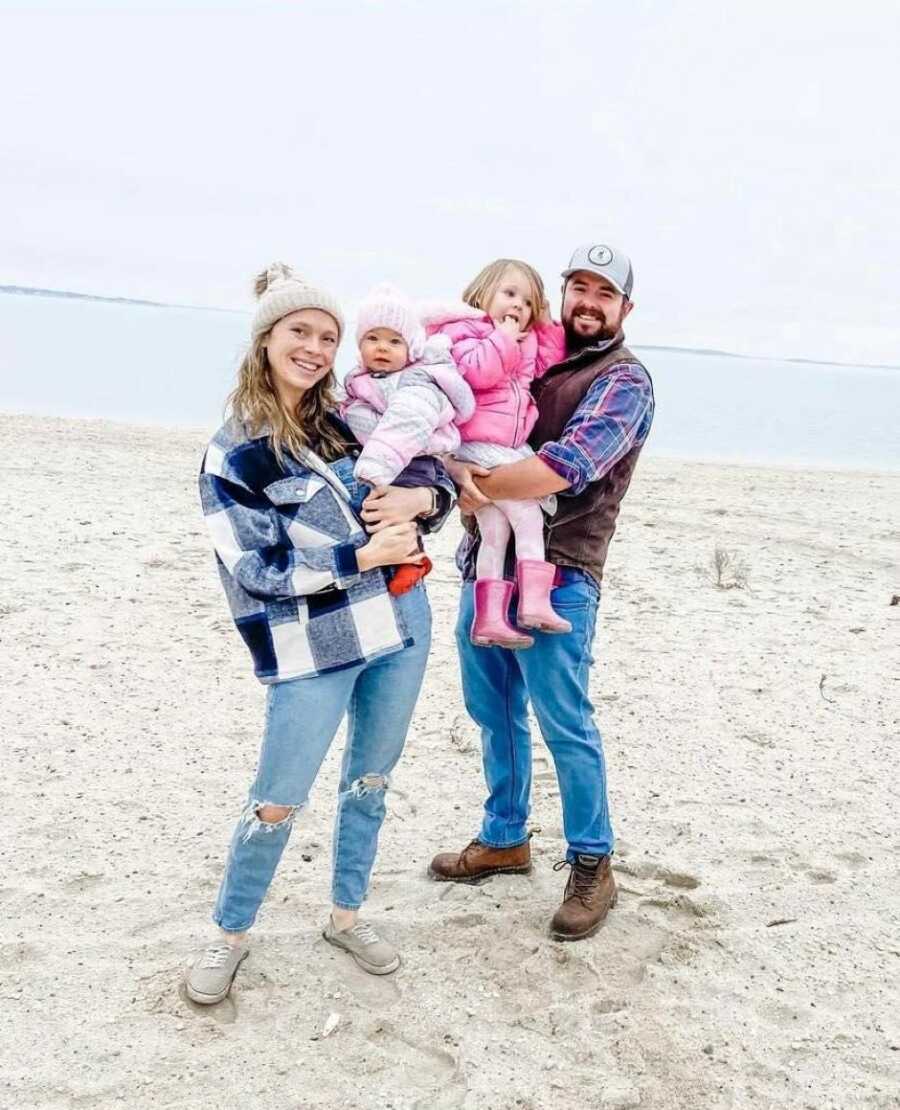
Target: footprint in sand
375 992
821 875
853 859
424 1065
85 880
671 897
815 874
680 880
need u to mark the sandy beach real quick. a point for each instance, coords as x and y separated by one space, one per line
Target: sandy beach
751 736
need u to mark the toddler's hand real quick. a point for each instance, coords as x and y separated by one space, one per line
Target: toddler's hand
510 325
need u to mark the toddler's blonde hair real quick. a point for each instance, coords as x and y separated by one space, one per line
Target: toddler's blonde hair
480 292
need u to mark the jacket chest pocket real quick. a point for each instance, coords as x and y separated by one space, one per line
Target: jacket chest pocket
308 511
294 491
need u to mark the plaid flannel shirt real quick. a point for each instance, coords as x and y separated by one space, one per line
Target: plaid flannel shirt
285 539
613 418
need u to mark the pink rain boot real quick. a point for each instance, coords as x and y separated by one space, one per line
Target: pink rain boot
491 625
535 578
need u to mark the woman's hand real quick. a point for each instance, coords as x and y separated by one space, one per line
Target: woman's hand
470 496
388 505
392 545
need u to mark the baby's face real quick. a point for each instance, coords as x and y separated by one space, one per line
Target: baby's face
383 351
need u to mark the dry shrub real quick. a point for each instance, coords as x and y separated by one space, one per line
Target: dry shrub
729 570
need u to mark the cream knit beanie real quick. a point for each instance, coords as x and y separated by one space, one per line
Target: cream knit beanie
386 307
280 290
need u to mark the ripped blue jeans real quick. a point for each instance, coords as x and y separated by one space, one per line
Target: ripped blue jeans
302 717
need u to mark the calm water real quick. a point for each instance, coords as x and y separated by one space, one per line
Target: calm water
68 357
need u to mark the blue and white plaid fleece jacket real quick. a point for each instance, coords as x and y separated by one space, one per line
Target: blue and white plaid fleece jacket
285 539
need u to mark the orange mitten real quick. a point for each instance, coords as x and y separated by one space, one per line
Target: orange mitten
407 575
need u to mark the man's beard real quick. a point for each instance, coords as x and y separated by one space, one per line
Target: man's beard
576 342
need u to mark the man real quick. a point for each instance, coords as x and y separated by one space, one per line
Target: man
594 413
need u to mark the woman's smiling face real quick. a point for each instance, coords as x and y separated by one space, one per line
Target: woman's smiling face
301 348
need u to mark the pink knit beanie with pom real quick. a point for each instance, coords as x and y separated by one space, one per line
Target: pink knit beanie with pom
386 307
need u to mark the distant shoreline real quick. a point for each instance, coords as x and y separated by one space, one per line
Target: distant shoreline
63 294
120 423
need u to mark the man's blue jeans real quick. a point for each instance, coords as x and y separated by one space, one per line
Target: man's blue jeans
553 676
302 717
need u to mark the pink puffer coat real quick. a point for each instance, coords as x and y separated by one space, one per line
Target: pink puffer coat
500 372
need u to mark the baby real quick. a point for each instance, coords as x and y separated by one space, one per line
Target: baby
404 398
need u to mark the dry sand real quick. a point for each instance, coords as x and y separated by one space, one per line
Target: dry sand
750 732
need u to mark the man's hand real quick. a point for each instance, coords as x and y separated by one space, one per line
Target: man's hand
470 496
387 505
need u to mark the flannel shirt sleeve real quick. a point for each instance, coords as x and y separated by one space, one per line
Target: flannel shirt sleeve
614 417
249 542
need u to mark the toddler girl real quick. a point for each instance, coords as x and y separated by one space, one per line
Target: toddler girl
500 351
402 401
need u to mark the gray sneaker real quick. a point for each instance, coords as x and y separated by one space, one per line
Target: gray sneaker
212 973
365 946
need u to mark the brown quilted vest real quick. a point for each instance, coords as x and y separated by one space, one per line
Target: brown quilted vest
578 533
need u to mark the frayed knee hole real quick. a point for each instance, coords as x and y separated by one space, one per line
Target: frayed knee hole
366 784
271 815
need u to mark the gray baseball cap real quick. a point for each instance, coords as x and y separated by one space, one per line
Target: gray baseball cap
605 261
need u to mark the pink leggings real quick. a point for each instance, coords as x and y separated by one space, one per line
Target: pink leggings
495 521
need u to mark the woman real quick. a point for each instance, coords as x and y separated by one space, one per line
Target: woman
310 597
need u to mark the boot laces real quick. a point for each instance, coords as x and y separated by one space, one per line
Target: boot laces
476 843
582 882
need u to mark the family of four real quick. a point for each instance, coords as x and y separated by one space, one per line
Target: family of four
317 504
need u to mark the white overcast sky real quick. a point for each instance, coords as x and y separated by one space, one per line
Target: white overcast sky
745 154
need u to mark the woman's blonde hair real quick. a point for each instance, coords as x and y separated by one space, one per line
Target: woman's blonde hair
480 292
255 404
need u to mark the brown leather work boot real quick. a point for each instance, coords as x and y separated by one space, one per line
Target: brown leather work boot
590 895
477 861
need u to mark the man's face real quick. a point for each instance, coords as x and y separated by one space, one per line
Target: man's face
592 310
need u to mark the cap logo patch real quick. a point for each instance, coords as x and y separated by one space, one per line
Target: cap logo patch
600 256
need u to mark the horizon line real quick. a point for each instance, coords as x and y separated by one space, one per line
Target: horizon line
67 294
